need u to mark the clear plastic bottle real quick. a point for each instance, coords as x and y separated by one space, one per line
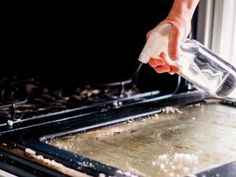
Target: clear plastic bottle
197 64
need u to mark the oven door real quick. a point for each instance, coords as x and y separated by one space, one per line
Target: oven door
178 135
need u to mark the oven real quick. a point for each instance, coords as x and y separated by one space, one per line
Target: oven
74 102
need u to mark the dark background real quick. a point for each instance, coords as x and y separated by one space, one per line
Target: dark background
89 41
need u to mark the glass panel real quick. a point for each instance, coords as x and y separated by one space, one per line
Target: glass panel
173 144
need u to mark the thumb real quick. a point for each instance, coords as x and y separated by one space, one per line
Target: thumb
175 40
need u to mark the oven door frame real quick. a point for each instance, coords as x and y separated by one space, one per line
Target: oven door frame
36 137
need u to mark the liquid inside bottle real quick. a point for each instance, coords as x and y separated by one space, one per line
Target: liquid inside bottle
206 70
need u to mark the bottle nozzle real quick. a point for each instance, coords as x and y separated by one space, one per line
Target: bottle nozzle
156 43
144 58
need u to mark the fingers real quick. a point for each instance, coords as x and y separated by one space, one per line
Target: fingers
156 62
174 69
166 68
165 57
160 64
162 69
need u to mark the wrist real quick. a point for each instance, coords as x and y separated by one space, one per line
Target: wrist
181 14
184 8
180 23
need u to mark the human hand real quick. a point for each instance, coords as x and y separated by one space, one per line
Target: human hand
180 28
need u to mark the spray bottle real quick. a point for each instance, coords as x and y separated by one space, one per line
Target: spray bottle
197 64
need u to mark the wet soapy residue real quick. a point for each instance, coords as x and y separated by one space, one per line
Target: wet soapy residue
167 145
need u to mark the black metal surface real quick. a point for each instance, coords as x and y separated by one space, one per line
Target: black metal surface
225 170
96 108
24 168
23 98
21 124
35 137
45 103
